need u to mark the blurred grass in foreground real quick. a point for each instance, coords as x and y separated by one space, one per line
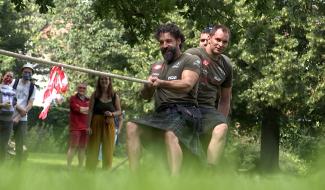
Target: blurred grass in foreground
48 171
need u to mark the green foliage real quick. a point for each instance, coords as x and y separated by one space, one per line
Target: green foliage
44 5
243 151
49 135
277 49
273 61
12 34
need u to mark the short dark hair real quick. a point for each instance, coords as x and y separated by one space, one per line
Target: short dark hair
207 30
173 29
222 27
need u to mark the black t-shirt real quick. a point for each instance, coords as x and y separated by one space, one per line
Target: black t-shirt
215 73
173 71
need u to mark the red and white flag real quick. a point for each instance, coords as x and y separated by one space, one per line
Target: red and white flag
57 84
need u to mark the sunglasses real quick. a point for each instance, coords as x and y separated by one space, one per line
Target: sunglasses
82 88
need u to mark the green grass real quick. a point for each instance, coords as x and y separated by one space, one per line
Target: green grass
48 171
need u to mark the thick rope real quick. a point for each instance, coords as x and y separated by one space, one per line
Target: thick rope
90 71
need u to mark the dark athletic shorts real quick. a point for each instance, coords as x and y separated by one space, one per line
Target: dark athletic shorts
211 118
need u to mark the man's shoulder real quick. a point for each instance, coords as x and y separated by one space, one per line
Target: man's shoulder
194 51
19 82
75 97
158 62
192 59
227 60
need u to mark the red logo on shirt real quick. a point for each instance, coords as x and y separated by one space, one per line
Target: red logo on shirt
156 67
205 62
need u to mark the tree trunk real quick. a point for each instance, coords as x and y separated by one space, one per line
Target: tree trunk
270 139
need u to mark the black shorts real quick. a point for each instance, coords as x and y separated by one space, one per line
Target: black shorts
211 118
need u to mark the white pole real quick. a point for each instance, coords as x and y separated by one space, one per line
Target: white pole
42 61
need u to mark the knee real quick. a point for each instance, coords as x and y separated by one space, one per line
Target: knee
132 130
220 131
170 137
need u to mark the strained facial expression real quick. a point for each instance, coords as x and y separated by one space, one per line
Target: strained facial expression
219 41
168 46
204 37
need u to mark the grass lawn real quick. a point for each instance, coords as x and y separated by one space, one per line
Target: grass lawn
48 171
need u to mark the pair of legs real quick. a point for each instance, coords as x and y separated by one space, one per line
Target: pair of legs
78 142
174 151
103 133
20 130
81 156
5 131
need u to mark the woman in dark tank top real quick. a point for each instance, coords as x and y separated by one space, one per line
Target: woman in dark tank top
102 111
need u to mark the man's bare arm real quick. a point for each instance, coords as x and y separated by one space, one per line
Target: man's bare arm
224 101
185 84
148 89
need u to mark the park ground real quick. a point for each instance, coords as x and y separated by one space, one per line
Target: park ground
48 171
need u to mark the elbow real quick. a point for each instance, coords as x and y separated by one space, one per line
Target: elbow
187 88
145 96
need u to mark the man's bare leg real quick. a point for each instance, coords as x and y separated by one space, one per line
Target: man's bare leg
133 145
217 143
81 156
174 153
70 155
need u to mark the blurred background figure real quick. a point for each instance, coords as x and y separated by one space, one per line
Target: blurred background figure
79 106
7 103
25 92
103 107
204 36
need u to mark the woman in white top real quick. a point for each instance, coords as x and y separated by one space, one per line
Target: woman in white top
7 103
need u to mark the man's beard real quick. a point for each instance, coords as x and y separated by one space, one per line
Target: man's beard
168 53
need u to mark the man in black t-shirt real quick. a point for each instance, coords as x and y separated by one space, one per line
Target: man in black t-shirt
204 37
215 82
173 84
